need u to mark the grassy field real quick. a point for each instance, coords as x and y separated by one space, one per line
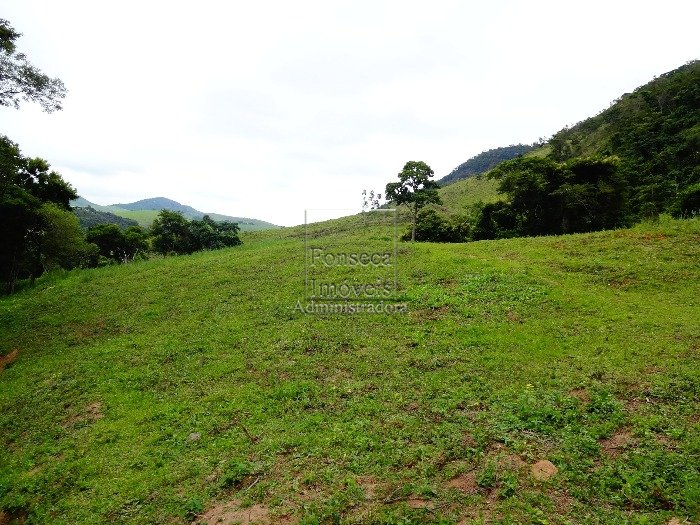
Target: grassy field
550 380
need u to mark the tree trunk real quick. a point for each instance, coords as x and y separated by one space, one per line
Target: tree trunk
415 218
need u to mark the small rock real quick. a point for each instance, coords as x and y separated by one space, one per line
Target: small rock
543 470
194 436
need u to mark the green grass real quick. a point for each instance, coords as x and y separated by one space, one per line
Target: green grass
144 217
150 392
458 197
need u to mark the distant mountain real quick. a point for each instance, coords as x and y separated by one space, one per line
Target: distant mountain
484 161
161 203
89 216
146 210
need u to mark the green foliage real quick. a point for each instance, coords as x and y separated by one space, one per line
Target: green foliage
546 197
414 189
655 131
174 234
26 184
119 245
494 221
433 227
688 203
171 233
62 243
20 80
208 234
89 216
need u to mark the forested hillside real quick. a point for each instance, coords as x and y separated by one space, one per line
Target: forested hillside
89 217
484 161
635 160
655 131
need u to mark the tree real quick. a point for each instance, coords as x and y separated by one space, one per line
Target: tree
209 234
62 242
414 189
25 185
370 201
171 233
117 244
20 80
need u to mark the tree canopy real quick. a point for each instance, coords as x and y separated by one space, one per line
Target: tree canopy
20 80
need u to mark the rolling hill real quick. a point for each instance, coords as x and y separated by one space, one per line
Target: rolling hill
550 379
146 210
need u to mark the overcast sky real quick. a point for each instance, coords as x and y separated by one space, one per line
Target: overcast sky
262 109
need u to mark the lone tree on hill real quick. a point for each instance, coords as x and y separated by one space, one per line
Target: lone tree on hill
414 189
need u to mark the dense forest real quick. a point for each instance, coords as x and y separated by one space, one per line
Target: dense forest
655 132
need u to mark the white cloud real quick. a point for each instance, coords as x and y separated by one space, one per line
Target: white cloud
263 109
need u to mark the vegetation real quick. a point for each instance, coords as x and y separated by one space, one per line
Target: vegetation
89 217
119 245
639 158
39 230
414 189
145 211
173 234
20 80
485 161
41 234
655 131
539 380
138 397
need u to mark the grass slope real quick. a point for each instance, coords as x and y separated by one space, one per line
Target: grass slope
459 196
151 392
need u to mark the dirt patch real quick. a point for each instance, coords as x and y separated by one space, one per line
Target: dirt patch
543 470
562 502
677 521
468 440
370 486
15 518
636 404
8 359
92 413
514 317
231 513
581 394
617 443
666 441
432 313
511 461
465 483
419 503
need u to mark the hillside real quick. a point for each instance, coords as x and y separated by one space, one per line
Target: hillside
655 130
145 211
161 203
89 216
484 161
134 396
459 196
